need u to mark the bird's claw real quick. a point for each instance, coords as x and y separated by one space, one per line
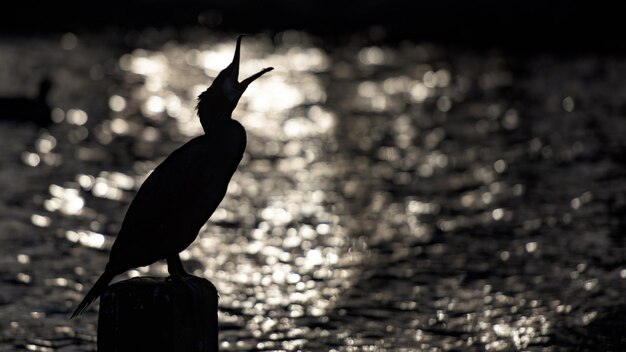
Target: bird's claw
180 278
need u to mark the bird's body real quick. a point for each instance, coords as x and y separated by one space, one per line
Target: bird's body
180 195
175 209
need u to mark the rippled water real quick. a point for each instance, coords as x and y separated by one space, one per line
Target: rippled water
411 197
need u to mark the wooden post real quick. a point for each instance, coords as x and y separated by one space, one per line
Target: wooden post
158 314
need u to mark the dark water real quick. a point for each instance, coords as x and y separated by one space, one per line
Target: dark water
408 198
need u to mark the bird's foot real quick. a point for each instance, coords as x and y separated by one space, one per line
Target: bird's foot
180 277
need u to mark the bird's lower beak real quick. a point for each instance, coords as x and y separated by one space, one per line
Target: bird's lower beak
244 84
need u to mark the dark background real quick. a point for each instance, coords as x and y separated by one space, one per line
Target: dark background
516 25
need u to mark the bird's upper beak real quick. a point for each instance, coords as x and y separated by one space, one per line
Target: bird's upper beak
232 71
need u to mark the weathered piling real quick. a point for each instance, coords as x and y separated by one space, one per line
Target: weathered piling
158 314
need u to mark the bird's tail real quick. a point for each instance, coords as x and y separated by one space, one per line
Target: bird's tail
98 288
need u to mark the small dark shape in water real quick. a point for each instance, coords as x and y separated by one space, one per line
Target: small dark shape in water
28 110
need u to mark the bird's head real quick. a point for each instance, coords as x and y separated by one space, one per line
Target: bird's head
220 99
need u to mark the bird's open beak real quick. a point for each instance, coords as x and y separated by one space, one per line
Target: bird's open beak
234 69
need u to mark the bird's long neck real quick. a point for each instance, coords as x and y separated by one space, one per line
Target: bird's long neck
214 119
214 108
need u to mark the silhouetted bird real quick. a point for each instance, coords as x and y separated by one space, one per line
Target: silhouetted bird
23 109
182 192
